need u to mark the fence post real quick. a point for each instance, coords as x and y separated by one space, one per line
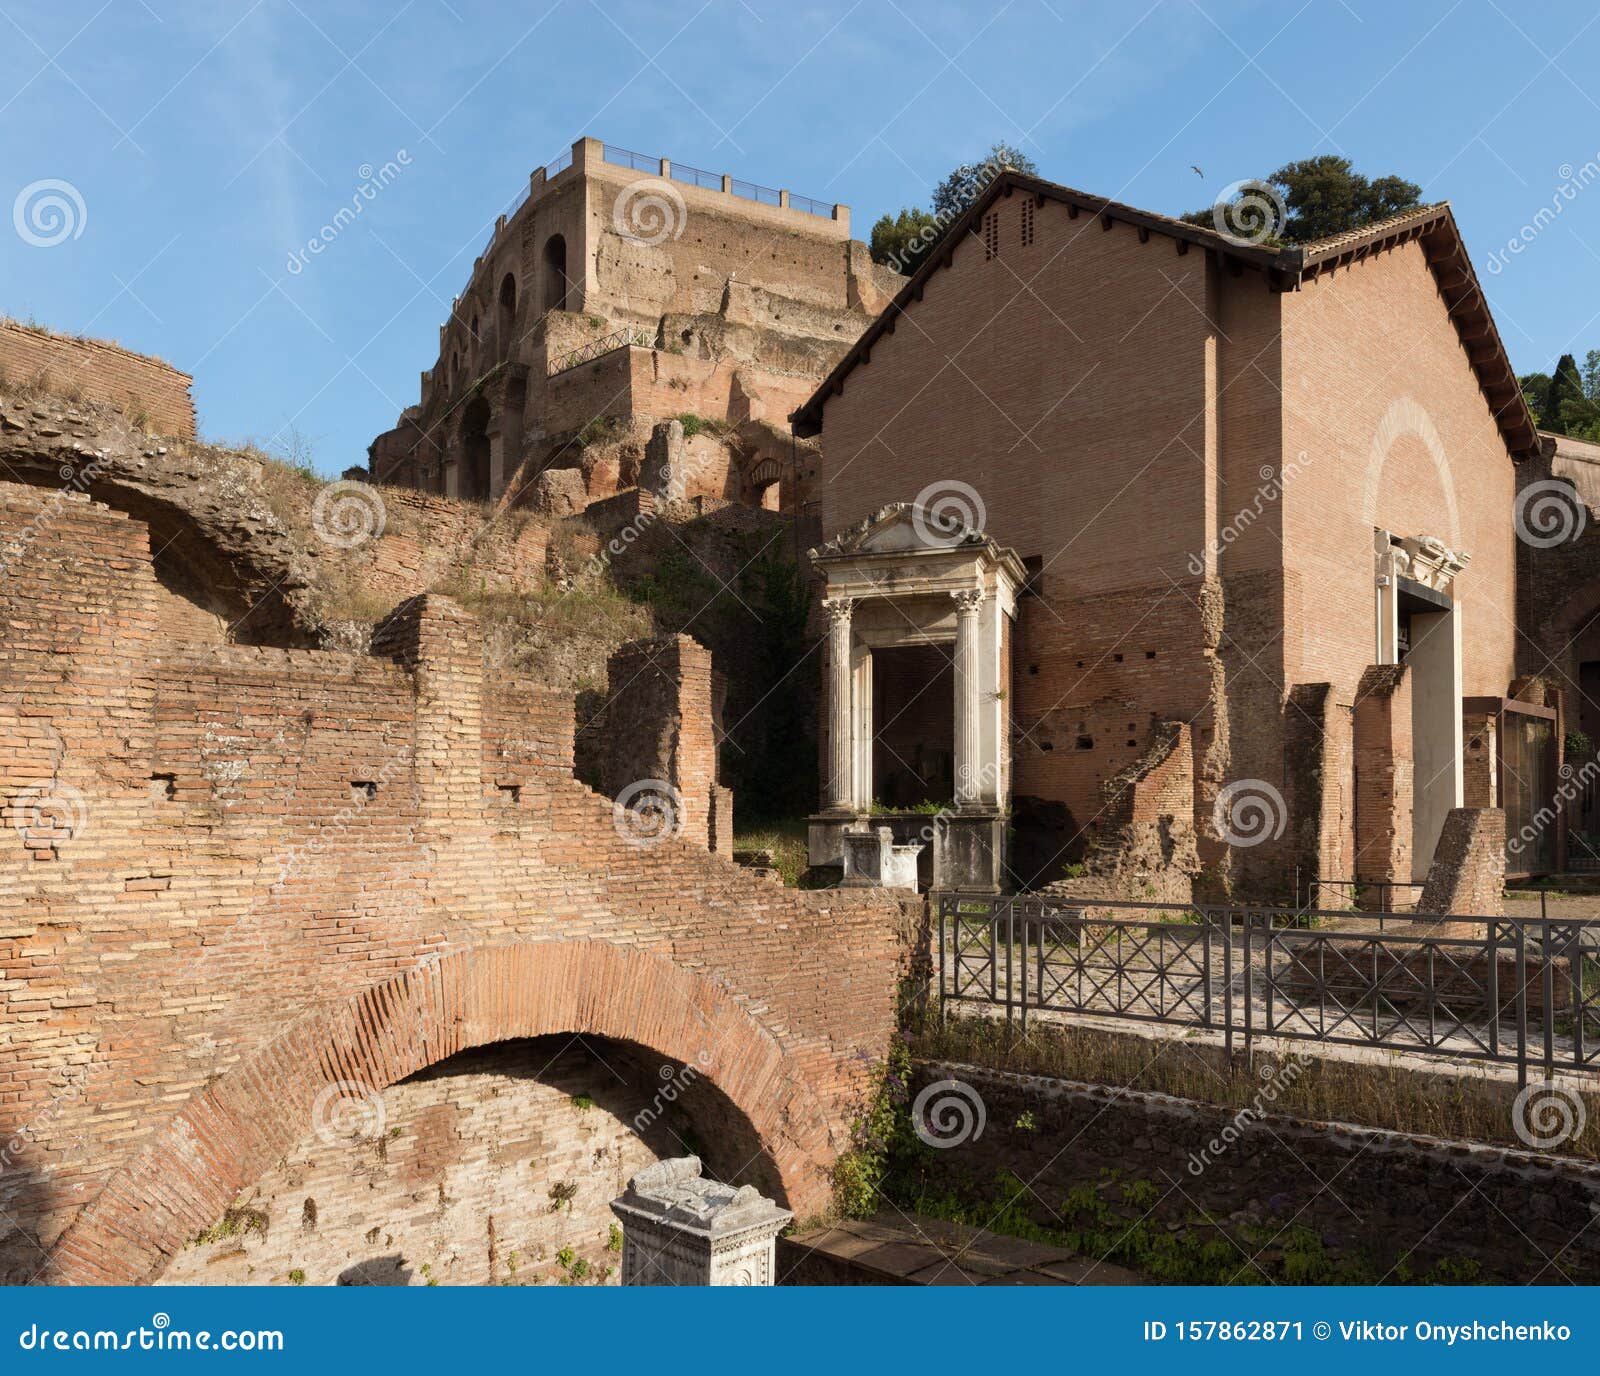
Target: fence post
939 909
1227 987
1025 972
1547 985
1522 1005
1249 1017
1492 981
1011 924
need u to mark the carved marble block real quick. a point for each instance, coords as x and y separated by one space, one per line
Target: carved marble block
678 1228
873 860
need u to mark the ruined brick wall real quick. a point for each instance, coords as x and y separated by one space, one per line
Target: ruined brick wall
1468 874
1383 774
482 1170
148 390
234 877
1480 774
1319 770
660 727
1145 846
1558 573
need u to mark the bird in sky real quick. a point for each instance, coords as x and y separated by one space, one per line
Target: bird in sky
1197 172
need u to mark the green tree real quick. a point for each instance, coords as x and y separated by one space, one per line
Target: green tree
899 241
1535 391
902 241
963 186
1566 390
1324 195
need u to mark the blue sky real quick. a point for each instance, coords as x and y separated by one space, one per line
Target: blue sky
208 140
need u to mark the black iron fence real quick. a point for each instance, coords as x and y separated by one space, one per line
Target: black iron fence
1509 990
599 348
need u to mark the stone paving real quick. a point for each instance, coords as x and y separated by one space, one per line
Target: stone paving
906 1249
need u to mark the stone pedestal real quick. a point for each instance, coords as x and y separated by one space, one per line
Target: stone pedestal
969 851
872 860
679 1228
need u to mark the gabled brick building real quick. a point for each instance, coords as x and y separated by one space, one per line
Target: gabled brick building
1242 478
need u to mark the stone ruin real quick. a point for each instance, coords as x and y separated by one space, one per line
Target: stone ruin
606 304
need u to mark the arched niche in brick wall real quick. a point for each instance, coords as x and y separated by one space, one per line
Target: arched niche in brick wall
229 1133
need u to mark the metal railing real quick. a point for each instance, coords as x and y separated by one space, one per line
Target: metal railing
811 207
618 156
561 164
754 191
598 348
626 157
696 176
1508 990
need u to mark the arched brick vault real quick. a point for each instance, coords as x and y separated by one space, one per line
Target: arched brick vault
232 1131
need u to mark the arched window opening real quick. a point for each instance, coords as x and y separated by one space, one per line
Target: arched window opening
506 321
555 273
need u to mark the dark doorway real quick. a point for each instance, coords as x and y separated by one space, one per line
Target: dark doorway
506 318
474 485
555 273
913 709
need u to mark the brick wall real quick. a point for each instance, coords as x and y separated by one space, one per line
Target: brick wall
1380 398
480 1170
1383 774
236 876
136 384
661 723
1468 874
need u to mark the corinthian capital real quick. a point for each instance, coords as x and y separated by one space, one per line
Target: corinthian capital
968 600
838 609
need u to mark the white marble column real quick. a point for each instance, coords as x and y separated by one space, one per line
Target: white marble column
969 777
839 792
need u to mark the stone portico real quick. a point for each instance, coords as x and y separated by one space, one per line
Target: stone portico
905 579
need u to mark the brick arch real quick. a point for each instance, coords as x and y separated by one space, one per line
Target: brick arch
1407 416
231 1132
